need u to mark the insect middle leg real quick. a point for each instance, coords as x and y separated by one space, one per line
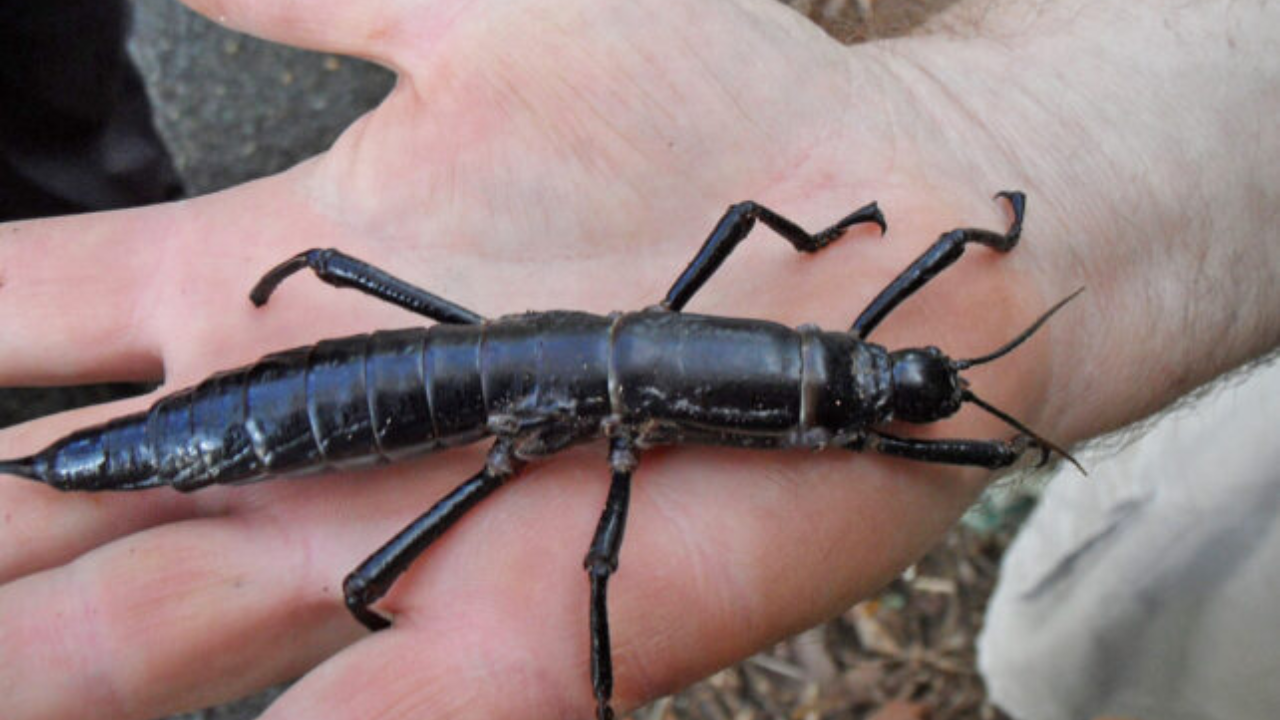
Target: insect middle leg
735 225
600 563
342 270
375 576
946 250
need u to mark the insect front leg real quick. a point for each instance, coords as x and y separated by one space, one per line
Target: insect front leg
375 576
600 563
342 270
946 250
981 453
736 224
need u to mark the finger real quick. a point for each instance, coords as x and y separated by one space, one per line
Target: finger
72 297
498 627
42 528
367 29
441 672
171 619
158 291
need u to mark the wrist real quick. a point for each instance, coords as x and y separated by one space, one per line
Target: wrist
1147 150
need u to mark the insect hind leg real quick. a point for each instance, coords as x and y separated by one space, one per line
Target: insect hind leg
375 576
341 270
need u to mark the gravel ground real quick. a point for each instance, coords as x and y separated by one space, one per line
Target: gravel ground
233 108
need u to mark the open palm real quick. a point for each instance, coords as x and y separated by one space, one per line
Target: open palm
546 155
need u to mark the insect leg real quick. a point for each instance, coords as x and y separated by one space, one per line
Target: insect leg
600 563
735 225
982 453
948 248
342 270
375 576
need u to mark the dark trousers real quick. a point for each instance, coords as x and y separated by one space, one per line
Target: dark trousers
75 126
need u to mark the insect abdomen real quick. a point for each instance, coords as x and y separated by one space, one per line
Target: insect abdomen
344 402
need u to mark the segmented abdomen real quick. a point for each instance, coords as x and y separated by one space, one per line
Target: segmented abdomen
340 403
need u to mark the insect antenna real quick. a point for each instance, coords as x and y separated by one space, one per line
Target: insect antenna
1045 444
1021 338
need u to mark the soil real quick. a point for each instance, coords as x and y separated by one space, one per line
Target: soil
906 654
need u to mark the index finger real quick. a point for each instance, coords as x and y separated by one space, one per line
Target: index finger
73 297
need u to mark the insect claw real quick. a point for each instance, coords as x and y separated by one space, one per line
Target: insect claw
1018 201
1045 454
355 591
370 619
867 213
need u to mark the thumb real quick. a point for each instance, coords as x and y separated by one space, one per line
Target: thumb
369 28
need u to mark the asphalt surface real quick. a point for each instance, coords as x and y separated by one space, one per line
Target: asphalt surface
233 108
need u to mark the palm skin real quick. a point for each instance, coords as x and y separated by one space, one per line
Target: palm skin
532 156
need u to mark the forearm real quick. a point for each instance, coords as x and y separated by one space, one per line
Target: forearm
1147 137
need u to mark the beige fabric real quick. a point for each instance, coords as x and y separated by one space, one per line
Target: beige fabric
1151 589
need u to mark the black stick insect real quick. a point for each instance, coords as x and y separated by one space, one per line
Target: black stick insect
542 381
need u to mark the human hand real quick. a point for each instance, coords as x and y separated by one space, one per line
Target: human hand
559 155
